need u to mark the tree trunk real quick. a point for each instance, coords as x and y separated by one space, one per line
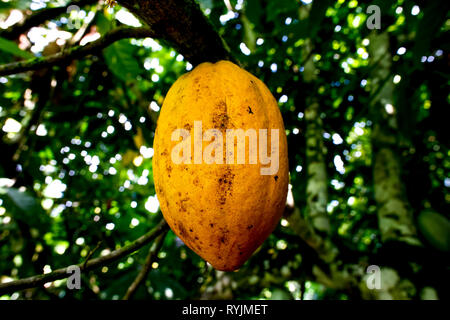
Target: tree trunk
316 188
395 216
314 227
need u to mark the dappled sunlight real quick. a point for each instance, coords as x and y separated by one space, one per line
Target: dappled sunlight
363 111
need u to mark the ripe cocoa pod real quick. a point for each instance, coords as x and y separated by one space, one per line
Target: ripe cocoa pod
221 198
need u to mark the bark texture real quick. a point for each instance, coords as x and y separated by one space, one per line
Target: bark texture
314 226
183 26
316 189
394 213
395 217
323 246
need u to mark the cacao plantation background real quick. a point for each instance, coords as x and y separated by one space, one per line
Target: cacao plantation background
364 109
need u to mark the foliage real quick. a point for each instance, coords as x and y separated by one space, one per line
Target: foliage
77 140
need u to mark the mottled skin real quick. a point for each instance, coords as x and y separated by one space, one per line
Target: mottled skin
223 212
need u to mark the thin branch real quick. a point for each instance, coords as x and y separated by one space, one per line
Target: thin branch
87 22
91 253
38 18
179 23
151 257
38 280
76 52
228 5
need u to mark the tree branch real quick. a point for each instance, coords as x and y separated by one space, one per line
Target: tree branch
76 52
152 254
38 280
38 18
180 23
183 26
301 227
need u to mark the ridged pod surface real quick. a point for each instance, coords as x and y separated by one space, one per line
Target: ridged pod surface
223 212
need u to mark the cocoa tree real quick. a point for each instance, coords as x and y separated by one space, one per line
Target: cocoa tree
364 111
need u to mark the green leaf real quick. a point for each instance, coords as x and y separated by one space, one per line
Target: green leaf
162 281
12 48
280 294
435 15
275 9
18 4
205 4
120 60
27 208
316 16
249 34
436 229
254 11
21 199
103 23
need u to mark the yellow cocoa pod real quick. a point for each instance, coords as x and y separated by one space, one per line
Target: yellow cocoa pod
221 165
